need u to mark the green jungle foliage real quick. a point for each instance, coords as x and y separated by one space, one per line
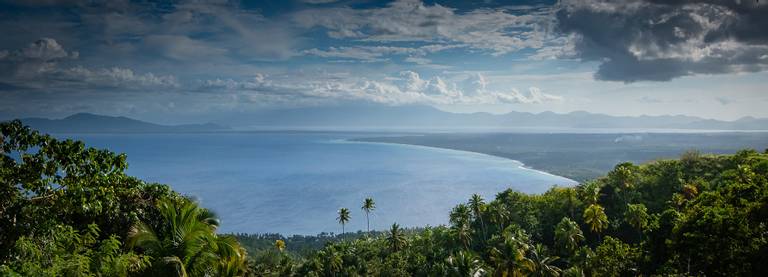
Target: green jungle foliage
69 210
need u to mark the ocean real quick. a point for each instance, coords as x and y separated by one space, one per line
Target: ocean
294 182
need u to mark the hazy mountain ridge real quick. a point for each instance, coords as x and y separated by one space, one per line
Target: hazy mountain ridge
411 117
93 123
429 117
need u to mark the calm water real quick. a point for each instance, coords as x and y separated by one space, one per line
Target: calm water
293 183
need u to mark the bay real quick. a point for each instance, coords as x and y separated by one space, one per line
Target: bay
294 182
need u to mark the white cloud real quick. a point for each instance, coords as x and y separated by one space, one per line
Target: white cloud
535 95
418 60
115 77
496 31
43 50
407 87
257 82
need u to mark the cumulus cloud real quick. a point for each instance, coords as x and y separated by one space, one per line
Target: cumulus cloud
406 87
115 77
661 40
38 66
38 57
498 31
44 49
258 81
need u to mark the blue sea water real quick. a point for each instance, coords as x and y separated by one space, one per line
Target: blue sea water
294 182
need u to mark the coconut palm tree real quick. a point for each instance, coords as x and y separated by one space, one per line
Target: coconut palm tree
499 214
595 217
396 238
343 218
477 205
623 175
231 257
568 235
332 261
539 264
185 242
459 215
463 264
637 216
574 271
571 192
507 257
368 207
463 234
590 192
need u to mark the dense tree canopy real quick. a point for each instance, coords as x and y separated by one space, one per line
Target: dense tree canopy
699 215
68 210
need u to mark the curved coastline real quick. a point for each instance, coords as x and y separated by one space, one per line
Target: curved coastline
520 164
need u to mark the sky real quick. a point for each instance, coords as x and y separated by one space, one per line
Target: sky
186 61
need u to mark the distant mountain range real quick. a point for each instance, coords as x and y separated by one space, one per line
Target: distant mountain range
374 117
426 117
92 123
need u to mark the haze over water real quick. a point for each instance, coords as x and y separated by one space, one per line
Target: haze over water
294 183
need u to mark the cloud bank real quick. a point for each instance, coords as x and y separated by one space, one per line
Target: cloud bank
650 40
406 87
37 66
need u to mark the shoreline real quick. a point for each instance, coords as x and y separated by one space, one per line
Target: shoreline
519 163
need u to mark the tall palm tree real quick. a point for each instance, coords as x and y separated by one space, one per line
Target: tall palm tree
463 264
595 217
539 264
343 218
185 242
499 214
463 234
623 175
368 207
396 238
571 193
459 215
477 205
590 192
507 257
568 235
637 216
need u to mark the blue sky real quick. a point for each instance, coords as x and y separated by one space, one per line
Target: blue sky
187 61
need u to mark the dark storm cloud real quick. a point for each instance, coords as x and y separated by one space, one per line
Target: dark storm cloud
661 40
